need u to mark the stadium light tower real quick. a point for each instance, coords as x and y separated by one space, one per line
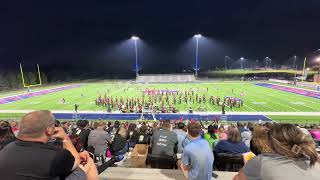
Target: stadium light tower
268 60
241 62
225 62
294 61
135 39
197 36
318 61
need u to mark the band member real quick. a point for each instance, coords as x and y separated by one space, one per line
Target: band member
63 101
76 106
223 108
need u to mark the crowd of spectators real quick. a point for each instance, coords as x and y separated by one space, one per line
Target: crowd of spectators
61 150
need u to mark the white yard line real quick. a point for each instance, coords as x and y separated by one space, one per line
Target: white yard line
253 94
275 102
284 93
50 100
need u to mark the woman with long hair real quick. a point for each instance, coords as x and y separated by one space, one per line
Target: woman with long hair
293 156
233 144
259 141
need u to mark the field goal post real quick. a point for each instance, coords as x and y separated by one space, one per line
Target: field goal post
30 85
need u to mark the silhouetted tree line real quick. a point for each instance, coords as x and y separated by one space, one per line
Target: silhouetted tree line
13 80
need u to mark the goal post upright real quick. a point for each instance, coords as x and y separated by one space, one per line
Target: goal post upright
23 79
40 83
21 71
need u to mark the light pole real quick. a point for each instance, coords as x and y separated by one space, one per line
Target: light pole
225 62
241 61
197 36
294 61
135 39
268 60
318 60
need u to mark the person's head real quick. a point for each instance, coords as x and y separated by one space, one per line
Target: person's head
94 124
180 125
215 128
122 132
290 141
65 124
221 129
250 126
109 124
5 131
37 125
194 129
80 123
116 124
14 124
57 123
234 134
4 123
100 125
166 125
210 129
143 129
240 125
132 127
268 125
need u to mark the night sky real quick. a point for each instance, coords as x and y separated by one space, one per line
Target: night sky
94 36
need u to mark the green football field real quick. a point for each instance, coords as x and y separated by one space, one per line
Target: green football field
256 98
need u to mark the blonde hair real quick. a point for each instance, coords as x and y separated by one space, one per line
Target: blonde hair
260 139
122 132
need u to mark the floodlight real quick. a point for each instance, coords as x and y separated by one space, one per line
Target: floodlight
198 36
134 37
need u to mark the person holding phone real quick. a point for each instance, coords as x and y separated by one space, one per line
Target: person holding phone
31 157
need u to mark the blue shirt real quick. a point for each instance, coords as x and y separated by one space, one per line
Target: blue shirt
199 157
225 146
181 136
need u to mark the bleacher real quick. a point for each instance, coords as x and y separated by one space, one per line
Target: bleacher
163 78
